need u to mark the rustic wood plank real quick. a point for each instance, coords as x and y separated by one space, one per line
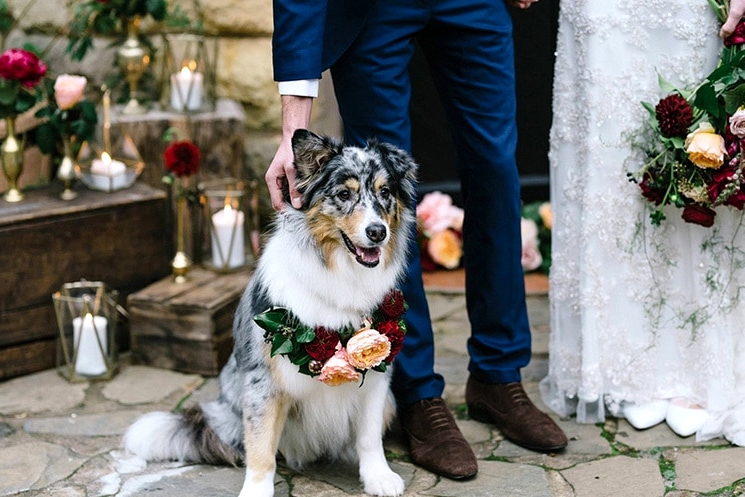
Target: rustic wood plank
27 358
27 325
206 358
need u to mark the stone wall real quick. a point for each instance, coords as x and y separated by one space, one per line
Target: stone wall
244 67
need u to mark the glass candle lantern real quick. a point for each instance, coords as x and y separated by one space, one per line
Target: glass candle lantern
87 318
227 219
188 72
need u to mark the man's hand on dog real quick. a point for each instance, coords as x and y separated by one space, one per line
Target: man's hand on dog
280 177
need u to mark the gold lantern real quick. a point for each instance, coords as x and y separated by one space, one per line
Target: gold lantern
87 320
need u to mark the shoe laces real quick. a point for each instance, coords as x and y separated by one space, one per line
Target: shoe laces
437 415
517 394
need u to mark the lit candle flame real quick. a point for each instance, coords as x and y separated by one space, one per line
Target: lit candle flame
106 158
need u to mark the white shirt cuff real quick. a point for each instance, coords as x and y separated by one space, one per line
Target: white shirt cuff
299 88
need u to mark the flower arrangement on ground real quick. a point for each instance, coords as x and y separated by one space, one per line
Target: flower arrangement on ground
535 229
695 161
20 73
439 232
68 116
338 356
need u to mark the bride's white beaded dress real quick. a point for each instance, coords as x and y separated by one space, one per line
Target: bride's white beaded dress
648 322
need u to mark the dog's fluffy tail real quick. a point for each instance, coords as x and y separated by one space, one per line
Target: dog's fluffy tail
163 436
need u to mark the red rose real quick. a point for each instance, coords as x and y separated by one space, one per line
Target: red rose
737 37
392 330
674 115
393 304
698 214
22 66
324 345
182 158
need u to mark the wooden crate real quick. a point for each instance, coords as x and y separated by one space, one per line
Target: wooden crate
187 326
119 238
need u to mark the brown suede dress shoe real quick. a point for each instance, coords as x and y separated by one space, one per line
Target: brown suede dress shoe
436 443
507 406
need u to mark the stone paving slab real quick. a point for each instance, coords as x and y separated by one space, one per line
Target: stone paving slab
619 476
709 470
40 392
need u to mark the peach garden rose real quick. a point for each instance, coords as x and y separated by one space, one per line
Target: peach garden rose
367 348
337 370
445 249
705 147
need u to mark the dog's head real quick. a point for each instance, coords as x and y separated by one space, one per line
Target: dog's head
357 200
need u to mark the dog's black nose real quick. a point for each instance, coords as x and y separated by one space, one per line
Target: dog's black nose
376 232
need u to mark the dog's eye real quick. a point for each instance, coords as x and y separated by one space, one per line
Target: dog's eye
344 195
385 193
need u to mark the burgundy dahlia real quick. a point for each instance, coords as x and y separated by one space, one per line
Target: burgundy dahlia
674 115
324 345
392 330
182 158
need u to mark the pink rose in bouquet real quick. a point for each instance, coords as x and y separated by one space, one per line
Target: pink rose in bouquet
337 370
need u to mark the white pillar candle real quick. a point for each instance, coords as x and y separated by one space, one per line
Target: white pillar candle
186 86
227 223
107 173
90 361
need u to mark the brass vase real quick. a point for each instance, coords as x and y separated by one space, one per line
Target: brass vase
66 170
133 58
11 151
181 264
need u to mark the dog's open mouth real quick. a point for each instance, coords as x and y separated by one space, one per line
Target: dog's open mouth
368 257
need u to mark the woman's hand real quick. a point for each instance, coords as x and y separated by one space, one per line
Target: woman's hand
736 12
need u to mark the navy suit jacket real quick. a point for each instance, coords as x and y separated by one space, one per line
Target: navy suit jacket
310 35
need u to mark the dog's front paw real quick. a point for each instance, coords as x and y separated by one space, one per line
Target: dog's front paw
383 484
257 487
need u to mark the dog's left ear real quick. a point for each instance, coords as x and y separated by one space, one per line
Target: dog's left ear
402 167
311 152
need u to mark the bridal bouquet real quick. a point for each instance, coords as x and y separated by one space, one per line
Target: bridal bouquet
695 161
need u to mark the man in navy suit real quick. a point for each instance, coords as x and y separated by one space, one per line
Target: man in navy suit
368 44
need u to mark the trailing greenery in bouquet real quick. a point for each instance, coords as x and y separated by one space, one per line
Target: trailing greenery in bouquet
696 160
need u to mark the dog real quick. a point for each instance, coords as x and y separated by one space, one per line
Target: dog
324 267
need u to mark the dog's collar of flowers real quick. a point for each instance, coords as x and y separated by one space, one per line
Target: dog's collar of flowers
340 355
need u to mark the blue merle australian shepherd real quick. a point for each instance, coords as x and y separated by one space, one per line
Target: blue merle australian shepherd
328 266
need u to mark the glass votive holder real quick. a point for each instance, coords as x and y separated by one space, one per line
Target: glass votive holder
111 170
226 219
86 314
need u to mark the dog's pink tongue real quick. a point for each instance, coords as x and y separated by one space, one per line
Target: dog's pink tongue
368 255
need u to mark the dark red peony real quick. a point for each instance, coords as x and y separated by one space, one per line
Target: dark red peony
393 304
674 115
182 158
324 345
22 66
698 214
737 37
392 330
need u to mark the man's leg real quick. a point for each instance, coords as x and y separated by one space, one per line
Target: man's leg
470 52
372 86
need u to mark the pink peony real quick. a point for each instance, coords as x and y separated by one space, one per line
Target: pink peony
436 212
367 348
22 66
737 123
68 90
337 370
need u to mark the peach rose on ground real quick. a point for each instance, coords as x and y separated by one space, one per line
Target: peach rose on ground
531 256
337 370
436 213
367 348
445 248
705 147
544 210
68 90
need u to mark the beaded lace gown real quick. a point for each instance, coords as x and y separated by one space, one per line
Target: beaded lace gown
640 314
